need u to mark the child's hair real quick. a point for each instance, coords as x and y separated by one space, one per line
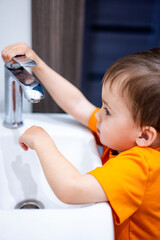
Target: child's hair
138 75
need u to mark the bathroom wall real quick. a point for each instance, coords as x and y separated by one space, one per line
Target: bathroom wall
15 26
57 28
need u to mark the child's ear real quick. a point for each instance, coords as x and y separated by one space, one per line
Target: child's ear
146 137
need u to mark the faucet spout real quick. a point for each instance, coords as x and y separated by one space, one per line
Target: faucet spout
18 80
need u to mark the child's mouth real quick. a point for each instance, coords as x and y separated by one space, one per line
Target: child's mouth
98 131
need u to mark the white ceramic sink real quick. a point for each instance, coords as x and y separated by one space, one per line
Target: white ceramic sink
22 180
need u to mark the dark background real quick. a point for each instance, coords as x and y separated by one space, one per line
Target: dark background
114 28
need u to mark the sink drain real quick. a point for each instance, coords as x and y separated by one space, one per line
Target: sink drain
29 204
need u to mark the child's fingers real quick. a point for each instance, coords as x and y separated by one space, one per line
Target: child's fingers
22 142
25 148
13 50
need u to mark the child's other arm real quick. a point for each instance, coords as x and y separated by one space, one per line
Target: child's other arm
65 94
64 179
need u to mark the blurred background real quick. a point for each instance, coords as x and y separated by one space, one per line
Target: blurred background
78 39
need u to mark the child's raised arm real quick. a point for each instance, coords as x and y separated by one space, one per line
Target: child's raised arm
65 94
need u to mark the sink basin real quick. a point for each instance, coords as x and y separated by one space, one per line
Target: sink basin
24 186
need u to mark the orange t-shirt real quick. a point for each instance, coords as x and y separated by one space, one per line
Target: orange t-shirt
131 181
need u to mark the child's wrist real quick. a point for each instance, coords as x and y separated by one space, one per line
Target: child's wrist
42 143
39 67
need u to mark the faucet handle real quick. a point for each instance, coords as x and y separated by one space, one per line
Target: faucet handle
24 61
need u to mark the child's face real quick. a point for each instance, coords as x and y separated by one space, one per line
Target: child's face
115 125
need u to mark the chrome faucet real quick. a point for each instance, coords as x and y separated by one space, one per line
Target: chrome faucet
16 80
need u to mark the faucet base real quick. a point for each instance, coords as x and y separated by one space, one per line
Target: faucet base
12 125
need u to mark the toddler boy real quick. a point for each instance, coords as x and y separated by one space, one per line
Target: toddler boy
128 128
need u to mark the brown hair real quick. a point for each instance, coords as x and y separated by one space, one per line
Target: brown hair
139 80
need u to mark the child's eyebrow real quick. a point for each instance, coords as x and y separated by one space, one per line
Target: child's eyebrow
106 103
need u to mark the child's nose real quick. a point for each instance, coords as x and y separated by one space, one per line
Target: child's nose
97 115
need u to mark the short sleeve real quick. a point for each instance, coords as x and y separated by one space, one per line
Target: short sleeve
124 179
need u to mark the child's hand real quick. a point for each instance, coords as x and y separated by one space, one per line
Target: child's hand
19 49
32 137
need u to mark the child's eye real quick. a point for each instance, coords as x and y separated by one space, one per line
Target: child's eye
107 111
